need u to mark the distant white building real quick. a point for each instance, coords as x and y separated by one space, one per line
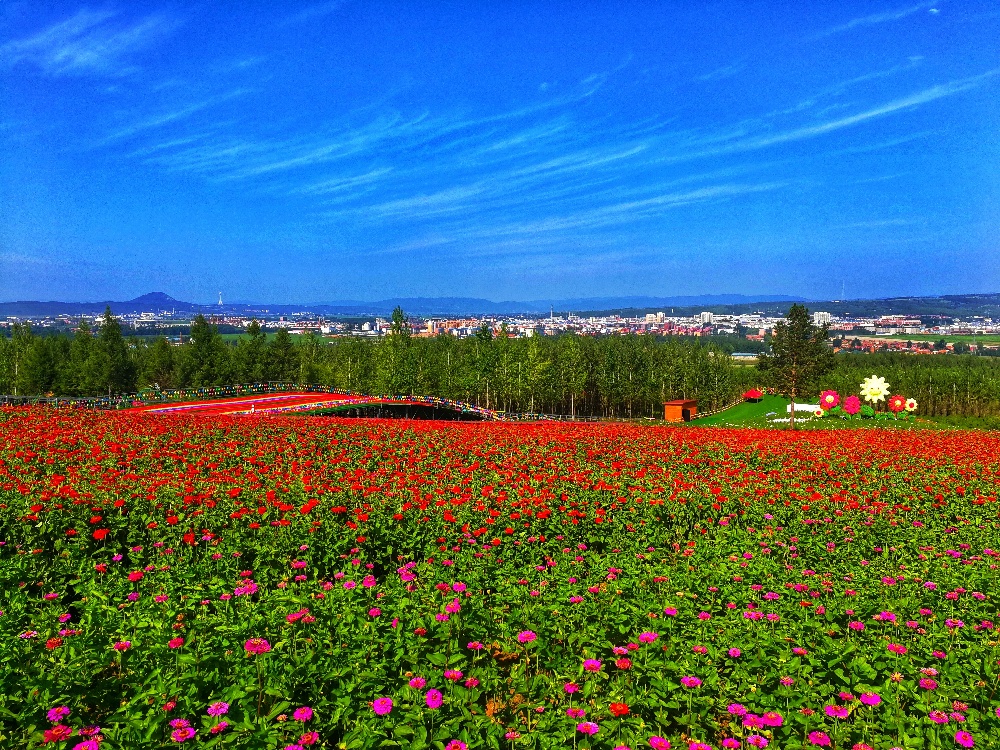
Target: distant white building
822 318
707 318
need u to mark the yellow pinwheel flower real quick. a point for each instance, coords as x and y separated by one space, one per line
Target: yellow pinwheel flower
874 389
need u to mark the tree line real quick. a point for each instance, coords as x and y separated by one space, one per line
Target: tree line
625 376
613 376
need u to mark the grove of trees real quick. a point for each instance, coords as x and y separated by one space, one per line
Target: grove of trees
615 376
627 376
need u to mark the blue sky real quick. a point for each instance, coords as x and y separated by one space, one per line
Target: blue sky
510 150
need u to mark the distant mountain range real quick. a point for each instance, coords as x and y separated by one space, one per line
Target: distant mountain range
158 301
945 305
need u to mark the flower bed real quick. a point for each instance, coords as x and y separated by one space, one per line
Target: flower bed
176 580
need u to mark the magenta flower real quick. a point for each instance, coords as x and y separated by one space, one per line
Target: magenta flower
648 637
433 699
588 727
772 719
735 653
572 687
737 709
575 713
305 713
382 706
870 699
658 743
122 645
730 743
690 682
417 683
592 665
219 708
757 740
58 713
182 734
964 739
526 636
452 674
820 739
257 646
455 745
836 712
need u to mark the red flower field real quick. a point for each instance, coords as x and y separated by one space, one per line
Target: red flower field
363 583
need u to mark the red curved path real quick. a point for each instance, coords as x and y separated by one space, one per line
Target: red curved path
264 403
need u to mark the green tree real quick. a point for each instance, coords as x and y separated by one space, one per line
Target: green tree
159 365
282 359
113 367
251 355
75 377
205 360
37 373
799 356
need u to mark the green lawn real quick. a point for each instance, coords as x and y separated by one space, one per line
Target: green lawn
746 414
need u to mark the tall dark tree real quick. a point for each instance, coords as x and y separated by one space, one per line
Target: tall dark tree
206 358
251 355
116 370
799 356
283 360
159 366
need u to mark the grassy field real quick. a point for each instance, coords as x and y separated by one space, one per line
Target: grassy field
755 415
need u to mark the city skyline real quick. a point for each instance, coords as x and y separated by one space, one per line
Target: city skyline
340 150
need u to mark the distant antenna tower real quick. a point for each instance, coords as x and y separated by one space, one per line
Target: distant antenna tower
552 313
220 299
841 290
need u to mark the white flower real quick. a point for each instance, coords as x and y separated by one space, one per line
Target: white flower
911 404
874 389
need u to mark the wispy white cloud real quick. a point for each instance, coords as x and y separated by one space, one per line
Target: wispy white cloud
88 43
872 20
165 118
312 13
725 72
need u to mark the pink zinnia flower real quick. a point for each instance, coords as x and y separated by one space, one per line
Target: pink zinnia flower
175 642
820 739
417 683
219 708
690 682
658 743
455 745
870 699
122 645
836 712
57 713
382 706
526 636
592 665
257 646
572 687
183 734
964 739
433 699
587 727
648 637
305 713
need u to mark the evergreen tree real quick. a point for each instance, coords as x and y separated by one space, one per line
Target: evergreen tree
799 356
206 358
159 366
115 370
251 355
282 359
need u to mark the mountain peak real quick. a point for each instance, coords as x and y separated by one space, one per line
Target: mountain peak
154 298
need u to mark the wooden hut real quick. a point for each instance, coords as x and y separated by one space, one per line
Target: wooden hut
680 410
